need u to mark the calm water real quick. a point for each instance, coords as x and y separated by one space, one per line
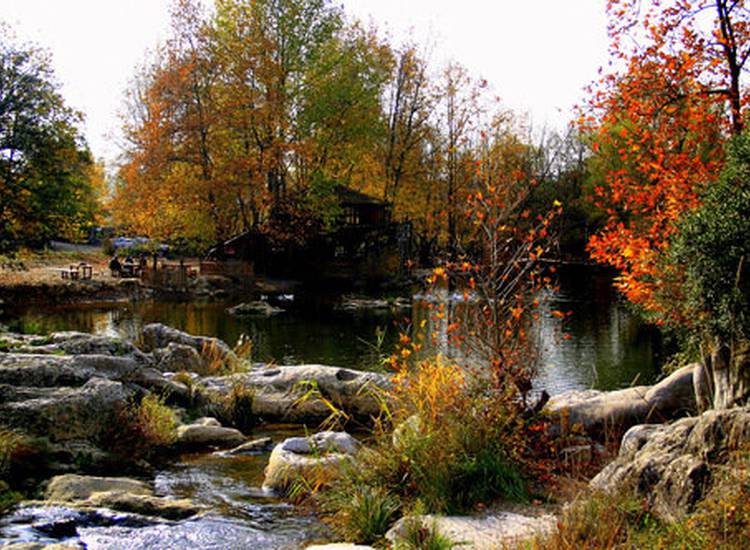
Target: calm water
607 347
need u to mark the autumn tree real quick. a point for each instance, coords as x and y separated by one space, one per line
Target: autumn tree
409 101
45 166
657 126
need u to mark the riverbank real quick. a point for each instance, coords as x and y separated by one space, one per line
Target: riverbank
35 278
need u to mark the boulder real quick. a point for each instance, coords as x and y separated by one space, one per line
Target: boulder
316 457
156 336
606 413
208 435
486 532
72 487
39 370
277 391
179 357
259 307
670 465
61 414
117 493
82 343
146 505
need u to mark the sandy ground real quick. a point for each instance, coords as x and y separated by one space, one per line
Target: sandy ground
43 267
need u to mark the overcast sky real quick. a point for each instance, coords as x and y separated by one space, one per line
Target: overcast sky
537 55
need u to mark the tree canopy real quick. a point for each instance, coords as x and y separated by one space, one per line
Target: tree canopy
47 176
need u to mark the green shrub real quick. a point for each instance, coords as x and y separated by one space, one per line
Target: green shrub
417 536
153 421
361 513
8 498
711 252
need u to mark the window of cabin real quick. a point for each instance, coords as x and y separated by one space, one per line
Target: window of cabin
352 215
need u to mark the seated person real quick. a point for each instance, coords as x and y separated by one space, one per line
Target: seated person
115 266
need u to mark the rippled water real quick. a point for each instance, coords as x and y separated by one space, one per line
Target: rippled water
242 515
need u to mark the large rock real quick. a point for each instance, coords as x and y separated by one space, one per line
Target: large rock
72 487
47 371
670 465
605 413
39 370
179 357
317 458
208 434
156 336
82 343
147 505
117 493
487 532
277 391
81 413
258 308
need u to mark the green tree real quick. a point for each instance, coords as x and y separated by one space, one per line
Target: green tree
45 166
709 258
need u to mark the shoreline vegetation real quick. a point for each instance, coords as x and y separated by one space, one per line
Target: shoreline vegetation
284 141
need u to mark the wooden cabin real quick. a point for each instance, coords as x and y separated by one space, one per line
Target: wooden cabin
366 246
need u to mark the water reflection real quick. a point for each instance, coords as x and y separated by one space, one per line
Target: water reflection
607 348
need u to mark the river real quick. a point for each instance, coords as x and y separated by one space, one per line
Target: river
607 348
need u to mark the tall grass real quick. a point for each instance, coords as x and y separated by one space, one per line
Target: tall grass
603 521
446 443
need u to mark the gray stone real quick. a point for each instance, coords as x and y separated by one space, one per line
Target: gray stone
277 391
82 343
255 447
486 532
607 413
156 336
259 308
318 458
61 414
179 357
71 487
199 435
670 465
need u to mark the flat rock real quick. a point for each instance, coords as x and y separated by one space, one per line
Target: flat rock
277 391
339 546
259 307
488 532
62 414
255 447
603 413
199 435
72 487
147 505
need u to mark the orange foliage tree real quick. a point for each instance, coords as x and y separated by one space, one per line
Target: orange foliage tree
657 126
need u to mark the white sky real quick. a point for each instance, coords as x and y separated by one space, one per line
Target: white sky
538 54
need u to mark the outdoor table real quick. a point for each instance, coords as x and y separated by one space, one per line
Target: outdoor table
86 271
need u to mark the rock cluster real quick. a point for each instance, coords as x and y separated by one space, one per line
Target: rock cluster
671 464
610 413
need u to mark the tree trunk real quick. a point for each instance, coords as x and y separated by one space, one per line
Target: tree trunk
726 371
